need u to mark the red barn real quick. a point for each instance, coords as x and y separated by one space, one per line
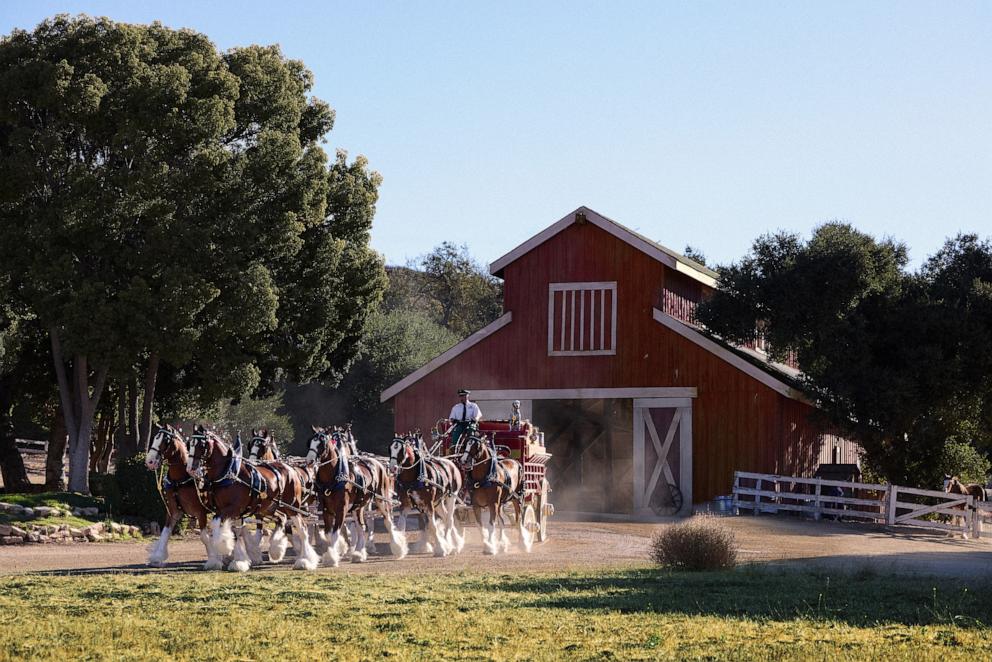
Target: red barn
641 409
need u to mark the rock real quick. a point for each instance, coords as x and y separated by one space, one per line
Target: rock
92 511
5 529
11 508
78 512
94 537
115 527
44 539
97 528
32 537
17 531
46 511
11 540
153 529
136 531
76 533
79 539
27 513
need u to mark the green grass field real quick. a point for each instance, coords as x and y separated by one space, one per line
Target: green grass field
619 614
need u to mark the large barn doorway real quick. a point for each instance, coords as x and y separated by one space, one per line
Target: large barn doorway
614 450
591 443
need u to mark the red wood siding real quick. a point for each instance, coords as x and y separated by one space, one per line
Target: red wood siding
738 422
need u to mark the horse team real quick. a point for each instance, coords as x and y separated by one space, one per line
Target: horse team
212 482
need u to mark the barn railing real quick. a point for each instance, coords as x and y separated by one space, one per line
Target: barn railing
885 504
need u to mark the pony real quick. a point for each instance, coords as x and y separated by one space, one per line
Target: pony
493 482
179 491
345 484
431 485
953 485
238 488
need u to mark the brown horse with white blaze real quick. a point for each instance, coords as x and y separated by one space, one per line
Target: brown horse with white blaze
493 482
238 488
431 485
181 495
348 484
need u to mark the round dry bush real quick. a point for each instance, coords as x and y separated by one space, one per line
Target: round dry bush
700 543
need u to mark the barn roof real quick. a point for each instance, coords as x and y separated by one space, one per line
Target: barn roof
583 214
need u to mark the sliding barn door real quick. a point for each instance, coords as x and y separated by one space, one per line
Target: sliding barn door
663 456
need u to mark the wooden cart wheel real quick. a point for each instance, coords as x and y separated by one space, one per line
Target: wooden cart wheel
542 513
530 520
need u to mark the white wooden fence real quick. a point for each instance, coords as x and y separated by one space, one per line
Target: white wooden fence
886 504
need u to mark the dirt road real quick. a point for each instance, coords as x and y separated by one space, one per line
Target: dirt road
577 545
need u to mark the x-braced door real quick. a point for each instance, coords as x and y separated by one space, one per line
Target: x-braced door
663 456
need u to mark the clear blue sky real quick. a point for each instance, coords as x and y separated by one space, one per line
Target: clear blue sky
691 122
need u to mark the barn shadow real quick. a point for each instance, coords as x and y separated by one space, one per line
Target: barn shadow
858 596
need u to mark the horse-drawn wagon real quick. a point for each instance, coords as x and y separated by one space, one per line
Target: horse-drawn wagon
516 440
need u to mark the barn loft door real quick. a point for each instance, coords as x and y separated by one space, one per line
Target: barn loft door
663 456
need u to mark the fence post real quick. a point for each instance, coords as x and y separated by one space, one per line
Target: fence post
757 498
969 517
892 494
817 507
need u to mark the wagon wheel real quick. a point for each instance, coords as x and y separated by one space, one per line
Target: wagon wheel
530 519
542 512
661 506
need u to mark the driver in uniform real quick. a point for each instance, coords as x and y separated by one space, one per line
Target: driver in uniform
464 415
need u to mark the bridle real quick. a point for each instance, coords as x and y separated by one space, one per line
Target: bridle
259 445
408 447
156 444
472 448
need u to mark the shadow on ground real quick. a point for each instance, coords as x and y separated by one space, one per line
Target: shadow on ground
860 598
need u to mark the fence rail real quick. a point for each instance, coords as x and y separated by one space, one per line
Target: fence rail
888 504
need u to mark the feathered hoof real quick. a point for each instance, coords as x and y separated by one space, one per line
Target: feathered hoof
304 563
399 551
489 550
239 566
359 556
331 560
213 564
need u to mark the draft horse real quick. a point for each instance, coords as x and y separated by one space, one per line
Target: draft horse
263 448
493 482
350 484
431 485
238 489
179 491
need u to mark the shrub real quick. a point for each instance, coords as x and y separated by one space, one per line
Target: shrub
139 495
700 543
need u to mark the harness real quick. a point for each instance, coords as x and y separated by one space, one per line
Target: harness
493 477
168 484
424 479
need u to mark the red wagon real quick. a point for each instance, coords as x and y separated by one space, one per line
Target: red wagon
524 443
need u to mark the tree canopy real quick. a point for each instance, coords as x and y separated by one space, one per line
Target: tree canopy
162 201
900 361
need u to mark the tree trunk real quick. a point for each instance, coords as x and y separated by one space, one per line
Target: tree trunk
79 407
132 415
15 477
151 375
55 462
102 443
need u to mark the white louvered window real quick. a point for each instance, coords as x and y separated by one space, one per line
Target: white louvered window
582 319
